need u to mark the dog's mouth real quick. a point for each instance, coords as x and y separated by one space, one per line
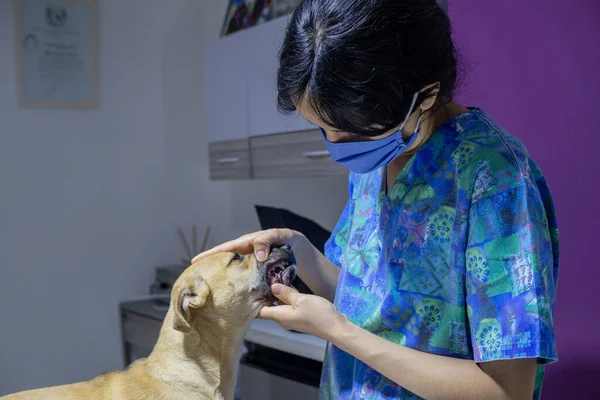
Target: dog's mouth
279 268
280 271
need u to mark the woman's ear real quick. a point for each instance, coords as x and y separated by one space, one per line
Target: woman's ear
431 92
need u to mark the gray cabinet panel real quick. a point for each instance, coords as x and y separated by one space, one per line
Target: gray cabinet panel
140 331
230 160
297 154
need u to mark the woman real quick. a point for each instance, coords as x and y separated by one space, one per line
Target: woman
442 268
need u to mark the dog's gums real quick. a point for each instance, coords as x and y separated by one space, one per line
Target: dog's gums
280 272
280 267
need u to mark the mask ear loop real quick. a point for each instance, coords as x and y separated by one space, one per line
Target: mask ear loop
416 132
412 138
410 110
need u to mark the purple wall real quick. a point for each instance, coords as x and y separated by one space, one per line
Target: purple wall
534 66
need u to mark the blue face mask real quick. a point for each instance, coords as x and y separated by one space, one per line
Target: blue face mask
367 156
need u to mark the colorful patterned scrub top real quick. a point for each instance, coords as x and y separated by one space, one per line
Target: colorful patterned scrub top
459 259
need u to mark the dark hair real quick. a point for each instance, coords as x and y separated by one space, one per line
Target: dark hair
358 63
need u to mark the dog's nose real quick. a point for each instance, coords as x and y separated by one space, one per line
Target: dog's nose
286 247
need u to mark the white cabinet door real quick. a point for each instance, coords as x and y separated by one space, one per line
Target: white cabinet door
263 42
226 89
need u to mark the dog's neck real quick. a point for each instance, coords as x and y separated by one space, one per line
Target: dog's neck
205 361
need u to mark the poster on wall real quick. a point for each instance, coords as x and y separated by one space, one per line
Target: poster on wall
243 14
56 53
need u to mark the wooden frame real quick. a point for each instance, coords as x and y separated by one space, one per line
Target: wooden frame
54 95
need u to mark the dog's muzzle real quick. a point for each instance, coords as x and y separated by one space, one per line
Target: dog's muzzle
280 267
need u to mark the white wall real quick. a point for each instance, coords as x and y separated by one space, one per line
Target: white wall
82 208
89 201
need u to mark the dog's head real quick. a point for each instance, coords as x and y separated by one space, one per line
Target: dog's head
229 287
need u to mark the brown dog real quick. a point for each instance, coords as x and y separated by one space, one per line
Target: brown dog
212 305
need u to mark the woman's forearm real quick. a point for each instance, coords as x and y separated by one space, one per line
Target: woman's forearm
427 375
315 270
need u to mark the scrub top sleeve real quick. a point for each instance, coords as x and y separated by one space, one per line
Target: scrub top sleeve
510 284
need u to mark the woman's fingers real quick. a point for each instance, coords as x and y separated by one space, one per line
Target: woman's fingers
269 238
258 242
262 245
243 245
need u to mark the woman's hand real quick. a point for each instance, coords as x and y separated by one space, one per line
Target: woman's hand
305 313
258 242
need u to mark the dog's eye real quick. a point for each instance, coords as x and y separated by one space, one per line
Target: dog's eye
237 257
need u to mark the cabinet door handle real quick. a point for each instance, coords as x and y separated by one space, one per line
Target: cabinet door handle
316 154
228 160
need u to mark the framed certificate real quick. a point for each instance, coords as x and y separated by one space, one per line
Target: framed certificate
56 53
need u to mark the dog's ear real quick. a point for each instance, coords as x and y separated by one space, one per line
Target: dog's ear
193 294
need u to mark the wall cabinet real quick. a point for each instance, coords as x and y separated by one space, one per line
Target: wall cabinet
226 89
297 154
230 159
248 137
265 40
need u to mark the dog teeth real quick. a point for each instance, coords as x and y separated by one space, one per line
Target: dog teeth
280 272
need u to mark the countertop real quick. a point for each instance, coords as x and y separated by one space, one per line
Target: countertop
271 334
265 333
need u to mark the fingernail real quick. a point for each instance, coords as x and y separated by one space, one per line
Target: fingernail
277 289
261 255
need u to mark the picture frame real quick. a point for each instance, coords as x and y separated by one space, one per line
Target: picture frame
244 14
56 53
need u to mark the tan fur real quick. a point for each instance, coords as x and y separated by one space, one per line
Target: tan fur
196 355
